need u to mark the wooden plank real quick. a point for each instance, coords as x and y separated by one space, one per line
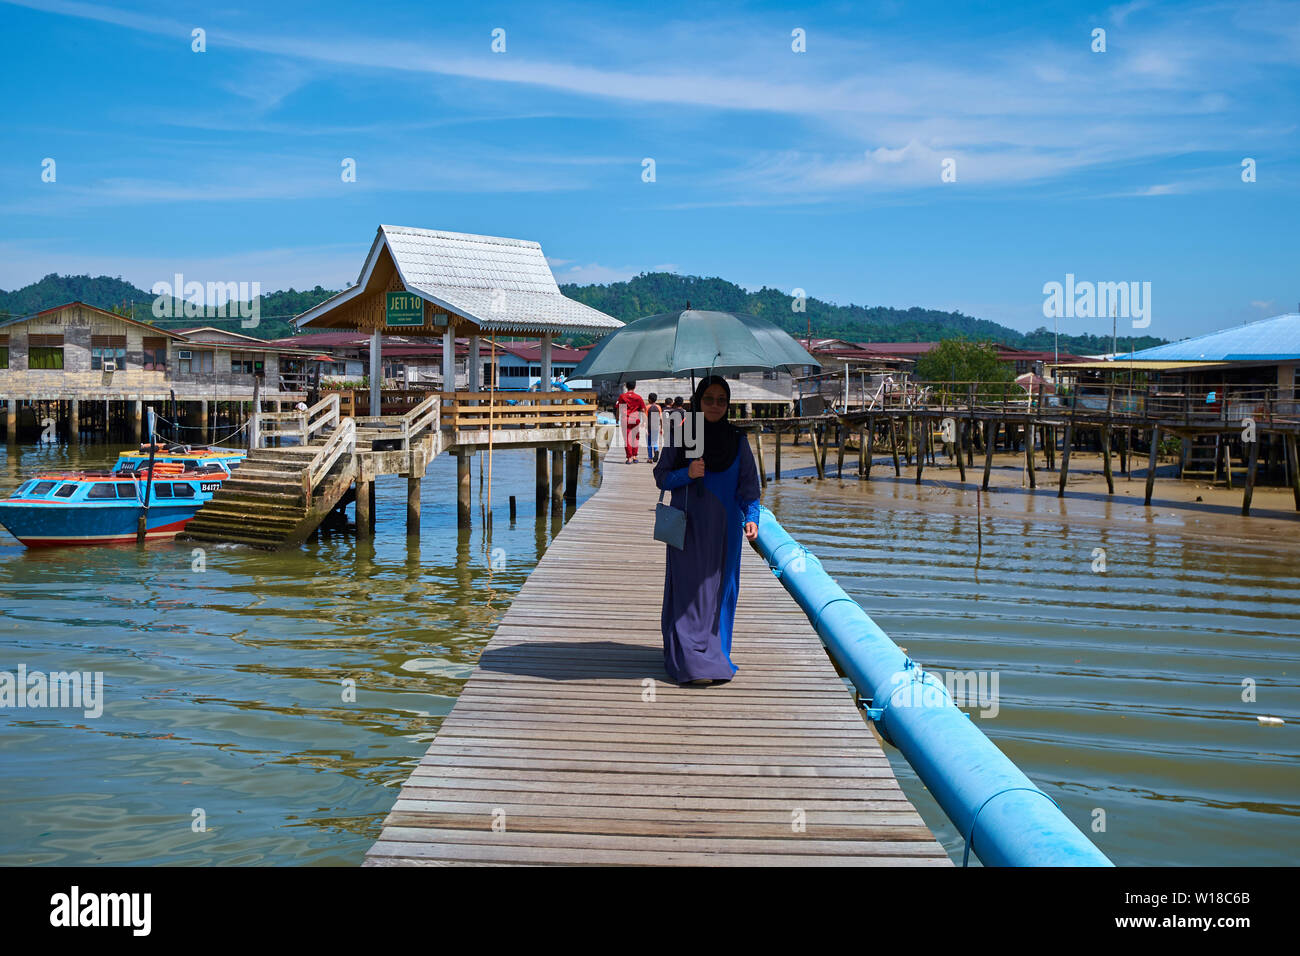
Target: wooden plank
569 738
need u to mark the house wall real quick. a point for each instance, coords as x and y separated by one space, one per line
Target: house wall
78 380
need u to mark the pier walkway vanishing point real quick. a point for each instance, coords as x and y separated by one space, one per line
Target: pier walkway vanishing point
568 745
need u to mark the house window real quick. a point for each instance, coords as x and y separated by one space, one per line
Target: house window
45 351
155 353
245 363
4 351
107 348
197 362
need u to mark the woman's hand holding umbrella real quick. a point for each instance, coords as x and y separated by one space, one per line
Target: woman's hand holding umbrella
696 469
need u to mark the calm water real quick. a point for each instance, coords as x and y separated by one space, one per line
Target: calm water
1119 691
224 687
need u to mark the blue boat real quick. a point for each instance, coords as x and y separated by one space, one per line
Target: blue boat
89 508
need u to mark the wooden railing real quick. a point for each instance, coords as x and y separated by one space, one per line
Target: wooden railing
301 425
463 411
355 402
427 414
343 441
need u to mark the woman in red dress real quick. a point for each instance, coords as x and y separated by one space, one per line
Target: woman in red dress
634 418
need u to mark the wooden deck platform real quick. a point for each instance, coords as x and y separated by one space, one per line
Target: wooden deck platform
568 745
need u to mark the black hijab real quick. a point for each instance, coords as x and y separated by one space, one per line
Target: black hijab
721 438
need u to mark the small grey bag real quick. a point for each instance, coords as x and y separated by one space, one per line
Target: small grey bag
670 523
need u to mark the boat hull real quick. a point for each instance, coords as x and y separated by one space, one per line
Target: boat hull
38 525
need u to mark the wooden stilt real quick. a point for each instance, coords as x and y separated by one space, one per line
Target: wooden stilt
1065 460
1105 459
990 433
960 426
893 446
364 525
920 450
1252 466
839 452
776 463
1293 457
557 477
463 488
543 479
1029 451
758 449
862 451
1151 464
821 458
572 462
817 458
413 506
870 449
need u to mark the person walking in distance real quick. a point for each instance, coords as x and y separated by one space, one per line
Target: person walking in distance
633 414
654 427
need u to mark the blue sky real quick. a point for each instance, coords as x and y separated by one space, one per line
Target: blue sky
818 170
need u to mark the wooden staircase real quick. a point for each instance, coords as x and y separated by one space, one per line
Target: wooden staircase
279 496
264 503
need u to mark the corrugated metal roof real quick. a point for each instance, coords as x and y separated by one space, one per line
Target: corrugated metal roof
1124 365
1275 339
498 283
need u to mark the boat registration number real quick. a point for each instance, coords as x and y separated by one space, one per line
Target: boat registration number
210 485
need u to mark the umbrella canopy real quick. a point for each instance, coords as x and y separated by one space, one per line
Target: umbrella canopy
693 341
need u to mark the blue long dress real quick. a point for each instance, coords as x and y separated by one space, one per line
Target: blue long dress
702 580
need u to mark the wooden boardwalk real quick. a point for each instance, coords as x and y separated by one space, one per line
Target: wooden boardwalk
555 753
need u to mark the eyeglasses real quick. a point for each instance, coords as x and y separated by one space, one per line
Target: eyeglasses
711 400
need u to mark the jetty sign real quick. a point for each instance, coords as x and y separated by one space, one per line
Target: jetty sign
404 309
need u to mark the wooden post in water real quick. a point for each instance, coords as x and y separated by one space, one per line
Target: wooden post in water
758 454
817 458
1252 466
1293 458
920 449
462 488
557 478
990 433
572 462
1029 451
1151 464
776 444
821 458
839 453
11 421
893 446
413 505
958 427
1105 442
871 447
364 525
862 450
543 478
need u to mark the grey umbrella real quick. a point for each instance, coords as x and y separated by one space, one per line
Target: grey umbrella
693 341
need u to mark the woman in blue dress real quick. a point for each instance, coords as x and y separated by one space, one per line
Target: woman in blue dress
719 490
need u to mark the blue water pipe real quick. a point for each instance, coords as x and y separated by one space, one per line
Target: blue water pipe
1005 819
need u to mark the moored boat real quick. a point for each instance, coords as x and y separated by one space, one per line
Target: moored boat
90 508
200 459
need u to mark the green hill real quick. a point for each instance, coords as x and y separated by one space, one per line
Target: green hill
646 294
654 292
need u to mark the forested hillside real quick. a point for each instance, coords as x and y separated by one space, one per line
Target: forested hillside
646 294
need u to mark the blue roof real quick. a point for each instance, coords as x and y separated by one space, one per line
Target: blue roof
1270 340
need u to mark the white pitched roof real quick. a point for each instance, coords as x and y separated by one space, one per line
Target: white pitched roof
501 284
